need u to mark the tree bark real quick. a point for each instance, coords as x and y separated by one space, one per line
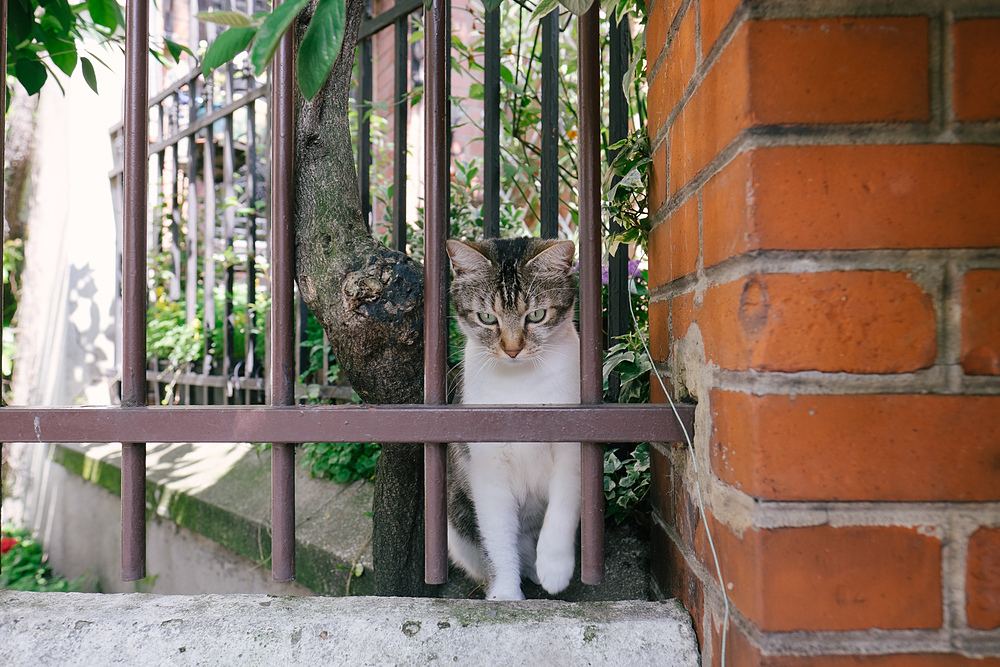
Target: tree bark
369 300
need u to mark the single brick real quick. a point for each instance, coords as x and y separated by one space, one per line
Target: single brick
830 578
713 116
982 584
661 487
853 322
657 27
658 179
659 330
860 447
679 65
715 16
676 241
854 198
728 211
977 77
981 323
849 70
740 651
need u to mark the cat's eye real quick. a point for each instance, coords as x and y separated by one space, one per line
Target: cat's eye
536 316
487 318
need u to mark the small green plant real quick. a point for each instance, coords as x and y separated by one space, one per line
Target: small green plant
341 462
626 482
23 566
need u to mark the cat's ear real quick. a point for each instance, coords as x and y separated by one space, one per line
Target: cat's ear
557 257
465 258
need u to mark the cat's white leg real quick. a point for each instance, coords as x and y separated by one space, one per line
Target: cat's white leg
497 515
557 541
466 555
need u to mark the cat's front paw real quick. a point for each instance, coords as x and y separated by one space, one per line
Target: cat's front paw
504 593
554 568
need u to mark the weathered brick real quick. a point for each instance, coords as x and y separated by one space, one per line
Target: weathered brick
675 243
977 77
715 16
728 211
674 577
854 198
714 115
831 578
679 65
661 488
853 322
659 330
850 447
981 323
739 651
658 180
657 27
848 70
983 579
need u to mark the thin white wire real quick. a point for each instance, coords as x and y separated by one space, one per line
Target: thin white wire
697 485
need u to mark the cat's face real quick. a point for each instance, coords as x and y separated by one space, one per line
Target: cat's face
513 296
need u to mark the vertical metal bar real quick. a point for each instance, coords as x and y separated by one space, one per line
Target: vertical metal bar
436 184
134 286
3 142
250 364
364 128
229 230
550 126
591 381
208 268
282 363
401 76
618 293
491 126
191 288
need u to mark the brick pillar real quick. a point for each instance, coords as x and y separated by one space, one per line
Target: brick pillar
825 283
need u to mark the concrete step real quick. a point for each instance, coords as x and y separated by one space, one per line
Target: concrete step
94 629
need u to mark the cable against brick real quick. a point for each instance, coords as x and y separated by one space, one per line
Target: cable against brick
697 485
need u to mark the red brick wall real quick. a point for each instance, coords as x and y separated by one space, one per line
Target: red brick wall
825 273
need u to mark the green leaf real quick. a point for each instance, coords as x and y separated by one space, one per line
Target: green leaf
61 51
320 46
102 13
476 91
543 8
118 12
175 50
31 74
506 74
271 31
60 12
89 75
231 19
20 22
578 7
225 47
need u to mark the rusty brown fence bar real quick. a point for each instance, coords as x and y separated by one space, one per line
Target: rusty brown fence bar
134 287
609 422
436 200
281 372
591 334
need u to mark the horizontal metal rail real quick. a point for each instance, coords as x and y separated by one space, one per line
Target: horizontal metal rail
381 21
348 423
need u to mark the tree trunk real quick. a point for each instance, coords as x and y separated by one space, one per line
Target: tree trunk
369 300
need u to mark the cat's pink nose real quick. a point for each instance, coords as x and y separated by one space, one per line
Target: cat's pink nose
513 353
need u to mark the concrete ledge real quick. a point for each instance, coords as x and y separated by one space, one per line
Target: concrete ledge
82 629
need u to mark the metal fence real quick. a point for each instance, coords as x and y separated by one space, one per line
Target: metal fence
283 423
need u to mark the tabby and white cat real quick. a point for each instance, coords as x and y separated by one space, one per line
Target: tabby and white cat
513 508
